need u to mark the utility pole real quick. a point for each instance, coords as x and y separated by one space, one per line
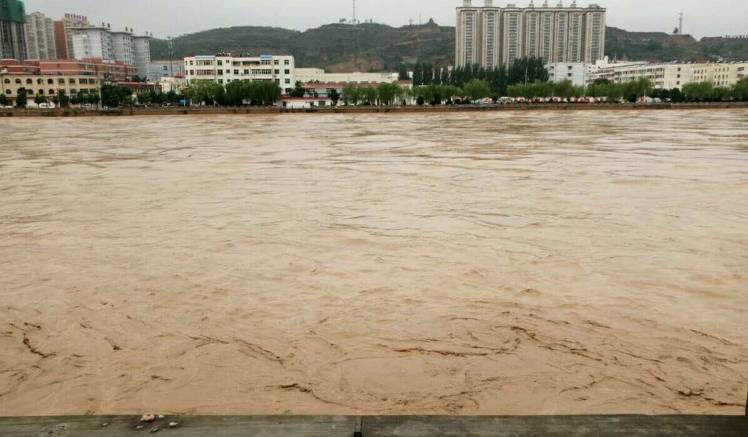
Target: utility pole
680 24
354 11
171 56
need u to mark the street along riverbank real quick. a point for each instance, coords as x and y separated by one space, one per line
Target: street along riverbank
203 110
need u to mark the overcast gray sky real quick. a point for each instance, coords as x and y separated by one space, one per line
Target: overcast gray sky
175 17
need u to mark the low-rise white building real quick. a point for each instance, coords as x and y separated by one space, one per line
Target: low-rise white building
674 75
158 69
225 69
176 84
720 74
306 75
575 72
304 102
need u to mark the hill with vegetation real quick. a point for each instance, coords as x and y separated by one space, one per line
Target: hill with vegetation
377 47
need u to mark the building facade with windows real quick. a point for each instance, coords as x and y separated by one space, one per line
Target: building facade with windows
305 75
40 37
92 42
123 46
491 36
142 54
64 35
225 69
12 30
159 69
673 75
49 77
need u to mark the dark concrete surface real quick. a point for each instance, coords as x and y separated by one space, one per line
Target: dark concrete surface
378 426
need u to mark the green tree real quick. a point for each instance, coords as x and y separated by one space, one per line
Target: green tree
740 90
476 89
698 91
388 93
205 92
676 96
3 100
298 90
39 99
62 99
351 94
369 95
94 99
112 96
334 96
402 73
22 98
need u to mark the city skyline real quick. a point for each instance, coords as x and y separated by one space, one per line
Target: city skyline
716 18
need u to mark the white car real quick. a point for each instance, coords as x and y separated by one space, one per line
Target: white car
46 106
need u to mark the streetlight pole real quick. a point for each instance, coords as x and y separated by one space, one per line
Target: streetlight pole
171 56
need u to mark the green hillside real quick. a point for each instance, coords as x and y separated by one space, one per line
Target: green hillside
374 47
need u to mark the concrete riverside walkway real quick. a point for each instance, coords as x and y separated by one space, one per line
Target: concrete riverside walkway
377 426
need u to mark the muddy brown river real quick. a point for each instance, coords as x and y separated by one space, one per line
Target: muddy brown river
462 263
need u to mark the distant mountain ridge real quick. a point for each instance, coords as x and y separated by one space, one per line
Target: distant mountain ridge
376 47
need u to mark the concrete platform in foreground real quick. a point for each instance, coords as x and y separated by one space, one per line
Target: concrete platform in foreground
377 426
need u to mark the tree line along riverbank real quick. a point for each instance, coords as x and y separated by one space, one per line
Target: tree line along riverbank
204 110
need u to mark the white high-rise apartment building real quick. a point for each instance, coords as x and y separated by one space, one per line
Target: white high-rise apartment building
123 46
142 54
225 69
492 36
93 42
40 37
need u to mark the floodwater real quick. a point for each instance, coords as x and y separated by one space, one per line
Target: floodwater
464 263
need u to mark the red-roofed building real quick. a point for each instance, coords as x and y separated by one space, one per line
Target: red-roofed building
51 76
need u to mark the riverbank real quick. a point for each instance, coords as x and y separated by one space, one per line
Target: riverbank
196 110
379 426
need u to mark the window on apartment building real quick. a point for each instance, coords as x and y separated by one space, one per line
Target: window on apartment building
7 91
192 62
246 71
41 92
192 72
277 71
39 81
51 92
236 72
278 81
220 72
288 81
288 71
29 81
276 62
220 80
287 62
7 80
73 91
61 81
220 62
50 81
71 81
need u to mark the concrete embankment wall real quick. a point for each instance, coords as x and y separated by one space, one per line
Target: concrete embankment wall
364 109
